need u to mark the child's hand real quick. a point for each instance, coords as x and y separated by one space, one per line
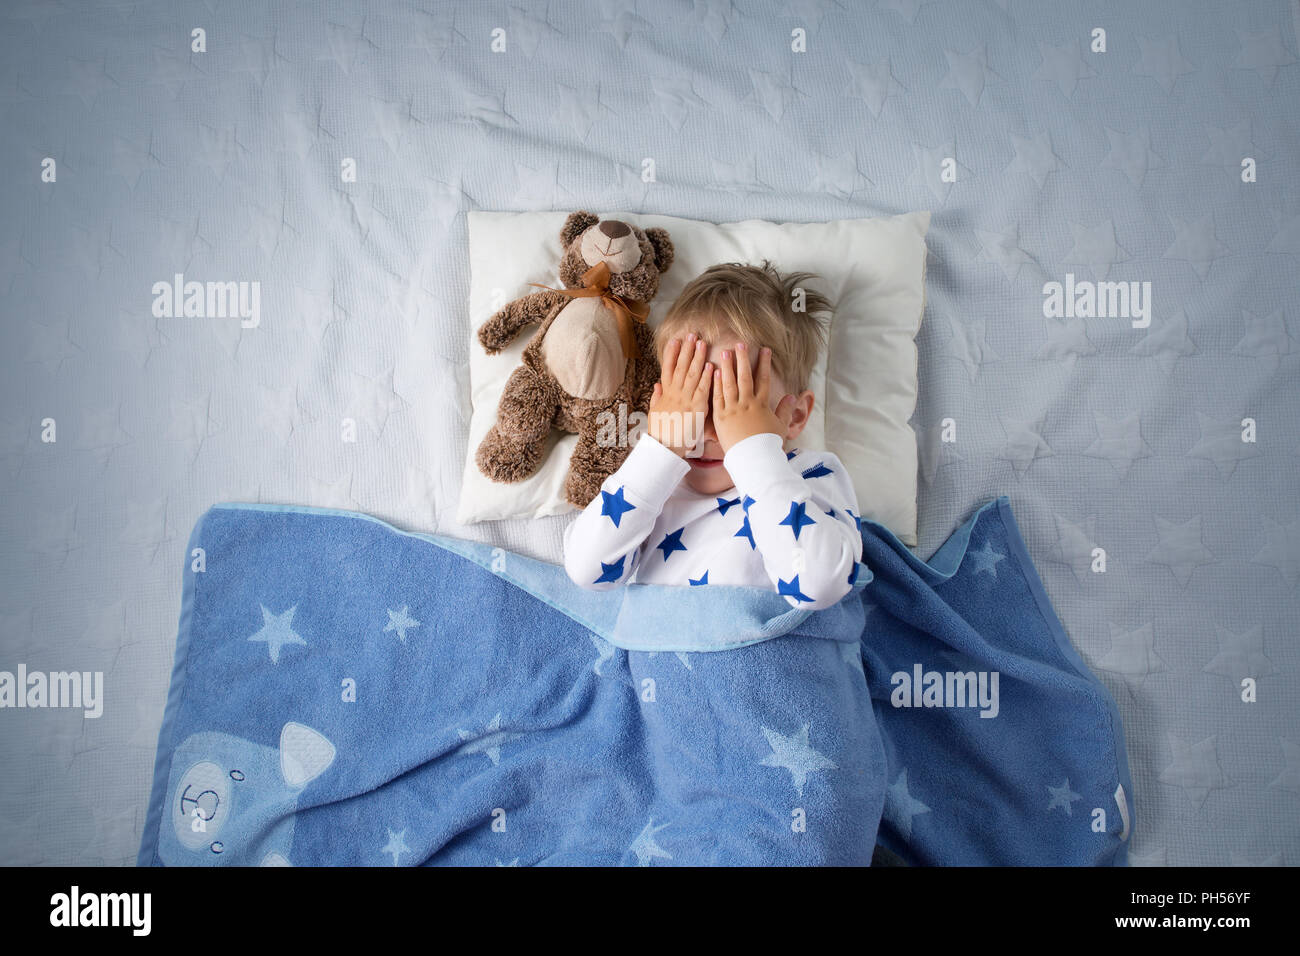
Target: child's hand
680 402
740 407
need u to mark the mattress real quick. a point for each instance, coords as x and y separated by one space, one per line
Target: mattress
322 159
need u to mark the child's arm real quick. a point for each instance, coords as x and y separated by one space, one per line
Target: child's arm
810 555
601 544
805 528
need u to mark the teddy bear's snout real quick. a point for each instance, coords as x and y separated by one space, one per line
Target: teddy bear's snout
613 243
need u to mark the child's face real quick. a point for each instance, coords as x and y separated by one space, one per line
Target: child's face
707 476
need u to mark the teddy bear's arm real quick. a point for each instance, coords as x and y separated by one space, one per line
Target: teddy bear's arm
500 330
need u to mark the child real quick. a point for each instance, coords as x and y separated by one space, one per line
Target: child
726 503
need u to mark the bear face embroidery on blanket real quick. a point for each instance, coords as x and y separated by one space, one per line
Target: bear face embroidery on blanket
234 801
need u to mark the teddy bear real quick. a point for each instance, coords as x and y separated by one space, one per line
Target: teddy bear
591 354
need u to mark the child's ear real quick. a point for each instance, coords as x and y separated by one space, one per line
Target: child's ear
803 406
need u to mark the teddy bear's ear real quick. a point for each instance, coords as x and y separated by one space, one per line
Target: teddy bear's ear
663 247
577 223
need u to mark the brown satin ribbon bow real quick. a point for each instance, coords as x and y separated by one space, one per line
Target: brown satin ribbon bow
595 281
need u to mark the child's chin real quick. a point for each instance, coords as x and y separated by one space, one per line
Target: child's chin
709 481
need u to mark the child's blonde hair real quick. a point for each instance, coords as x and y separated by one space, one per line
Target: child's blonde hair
760 306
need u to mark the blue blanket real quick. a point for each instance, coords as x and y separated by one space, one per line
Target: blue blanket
346 693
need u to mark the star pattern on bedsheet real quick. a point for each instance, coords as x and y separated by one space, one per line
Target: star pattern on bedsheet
874 83
1180 547
1025 443
968 71
1166 341
1131 154
933 452
1194 767
1034 157
1240 655
1262 52
1265 338
1281 550
1003 248
1096 247
1063 66
1074 545
1162 60
1195 243
1067 339
1221 442
1289 777
1132 654
1119 441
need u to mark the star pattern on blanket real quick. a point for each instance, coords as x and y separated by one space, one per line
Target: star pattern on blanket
985 560
488 741
277 632
645 848
400 622
795 754
1063 797
901 808
396 845
604 653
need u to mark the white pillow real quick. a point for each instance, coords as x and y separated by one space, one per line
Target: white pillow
865 383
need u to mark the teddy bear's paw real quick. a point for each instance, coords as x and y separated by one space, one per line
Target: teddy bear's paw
508 461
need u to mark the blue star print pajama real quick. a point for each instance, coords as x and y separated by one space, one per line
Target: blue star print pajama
790 522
